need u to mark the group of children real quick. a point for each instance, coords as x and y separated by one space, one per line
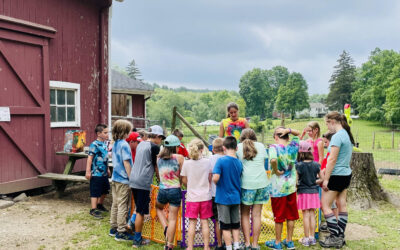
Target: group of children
224 186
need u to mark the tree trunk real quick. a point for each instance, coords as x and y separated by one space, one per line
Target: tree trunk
364 188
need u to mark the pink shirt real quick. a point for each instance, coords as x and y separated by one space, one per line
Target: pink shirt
198 184
315 148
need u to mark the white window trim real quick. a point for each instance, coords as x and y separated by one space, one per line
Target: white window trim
129 101
71 86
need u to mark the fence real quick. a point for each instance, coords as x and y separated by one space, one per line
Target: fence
380 140
153 230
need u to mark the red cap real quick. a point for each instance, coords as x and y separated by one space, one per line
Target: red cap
133 136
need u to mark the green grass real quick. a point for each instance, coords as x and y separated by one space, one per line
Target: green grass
391 185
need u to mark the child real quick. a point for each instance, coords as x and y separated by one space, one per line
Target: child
143 134
218 152
196 174
141 178
255 185
182 150
313 130
169 167
282 157
307 191
122 162
134 139
226 175
97 171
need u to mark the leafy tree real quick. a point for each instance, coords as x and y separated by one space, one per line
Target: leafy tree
340 89
392 104
255 90
133 70
317 98
293 95
276 77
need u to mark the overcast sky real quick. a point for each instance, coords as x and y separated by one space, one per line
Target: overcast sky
211 44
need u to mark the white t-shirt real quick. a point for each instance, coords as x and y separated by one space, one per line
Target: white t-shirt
198 184
213 160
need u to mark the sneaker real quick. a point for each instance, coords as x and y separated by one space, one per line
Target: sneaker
96 214
125 236
305 242
220 248
113 232
324 228
101 208
288 244
331 241
272 245
312 241
142 242
255 248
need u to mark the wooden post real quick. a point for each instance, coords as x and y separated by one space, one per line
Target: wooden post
282 119
191 128
163 126
373 140
173 123
392 139
262 134
205 131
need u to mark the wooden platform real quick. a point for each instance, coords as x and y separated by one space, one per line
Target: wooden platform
63 177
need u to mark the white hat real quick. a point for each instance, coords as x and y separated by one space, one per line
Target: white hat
157 130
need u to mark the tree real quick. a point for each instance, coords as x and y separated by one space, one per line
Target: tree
340 89
317 98
133 70
255 91
293 95
392 104
276 77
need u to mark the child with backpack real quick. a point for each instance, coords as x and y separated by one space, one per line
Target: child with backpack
169 167
196 175
307 191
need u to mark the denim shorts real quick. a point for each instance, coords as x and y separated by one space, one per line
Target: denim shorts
173 196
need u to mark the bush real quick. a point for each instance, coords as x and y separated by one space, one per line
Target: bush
256 125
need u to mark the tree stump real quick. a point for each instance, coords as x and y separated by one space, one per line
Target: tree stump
365 188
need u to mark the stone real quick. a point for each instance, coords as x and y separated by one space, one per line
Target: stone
5 204
21 197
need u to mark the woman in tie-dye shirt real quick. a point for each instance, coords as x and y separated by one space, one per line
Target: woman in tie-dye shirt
169 167
233 125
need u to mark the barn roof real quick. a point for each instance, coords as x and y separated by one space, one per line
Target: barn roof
123 84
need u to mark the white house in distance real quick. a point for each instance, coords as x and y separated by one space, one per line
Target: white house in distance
316 110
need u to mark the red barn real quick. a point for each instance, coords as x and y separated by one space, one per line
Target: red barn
53 77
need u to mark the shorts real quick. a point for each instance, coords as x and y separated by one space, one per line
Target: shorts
339 183
99 185
255 196
228 216
142 200
202 209
173 196
214 209
285 208
308 201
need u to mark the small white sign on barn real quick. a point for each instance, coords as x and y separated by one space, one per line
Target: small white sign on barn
5 114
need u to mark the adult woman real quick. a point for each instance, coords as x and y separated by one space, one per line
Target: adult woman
233 124
337 178
255 184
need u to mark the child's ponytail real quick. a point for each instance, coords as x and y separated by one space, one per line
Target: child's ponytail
248 137
195 147
346 126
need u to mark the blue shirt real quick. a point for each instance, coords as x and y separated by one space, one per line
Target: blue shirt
98 150
228 186
342 140
121 152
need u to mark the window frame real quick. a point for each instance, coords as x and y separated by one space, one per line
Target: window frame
129 103
68 86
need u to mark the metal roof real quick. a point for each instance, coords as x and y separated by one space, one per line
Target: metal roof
121 82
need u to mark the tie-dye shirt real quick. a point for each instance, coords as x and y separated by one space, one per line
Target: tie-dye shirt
98 150
286 156
169 172
234 128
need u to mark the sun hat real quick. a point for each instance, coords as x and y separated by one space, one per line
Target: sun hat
172 141
157 130
134 136
305 147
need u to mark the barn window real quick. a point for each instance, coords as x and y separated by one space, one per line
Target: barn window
64 104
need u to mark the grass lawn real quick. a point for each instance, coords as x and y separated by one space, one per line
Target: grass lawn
383 220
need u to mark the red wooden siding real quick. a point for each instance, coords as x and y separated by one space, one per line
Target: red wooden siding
77 52
138 108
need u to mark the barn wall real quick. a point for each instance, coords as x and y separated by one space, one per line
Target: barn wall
138 105
78 53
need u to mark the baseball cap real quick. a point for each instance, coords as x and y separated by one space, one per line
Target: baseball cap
134 136
157 130
305 146
172 141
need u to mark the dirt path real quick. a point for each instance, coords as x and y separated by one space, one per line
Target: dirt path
41 221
